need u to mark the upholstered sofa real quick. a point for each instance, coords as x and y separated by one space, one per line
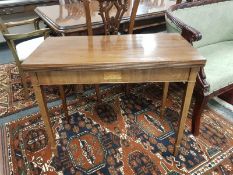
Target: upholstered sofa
208 26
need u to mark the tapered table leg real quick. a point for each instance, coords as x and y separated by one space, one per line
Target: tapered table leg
164 99
79 88
98 95
127 87
45 116
185 108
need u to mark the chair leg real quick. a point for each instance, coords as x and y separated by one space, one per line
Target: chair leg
97 91
63 98
165 93
79 88
200 103
24 81
127 87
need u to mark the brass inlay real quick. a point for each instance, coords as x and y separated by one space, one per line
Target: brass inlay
112 76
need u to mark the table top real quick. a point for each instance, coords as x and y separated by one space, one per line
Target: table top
140 51
72 17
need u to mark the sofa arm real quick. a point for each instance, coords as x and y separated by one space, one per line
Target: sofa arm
188 32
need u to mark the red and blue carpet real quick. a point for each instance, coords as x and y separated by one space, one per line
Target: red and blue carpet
123 135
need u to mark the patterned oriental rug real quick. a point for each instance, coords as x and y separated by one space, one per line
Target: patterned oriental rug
122 135
12 97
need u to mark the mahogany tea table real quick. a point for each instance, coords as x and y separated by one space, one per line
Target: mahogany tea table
114 59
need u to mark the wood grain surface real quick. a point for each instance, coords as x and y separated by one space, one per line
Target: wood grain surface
4 166
113 52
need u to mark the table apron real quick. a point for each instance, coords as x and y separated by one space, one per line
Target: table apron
112 76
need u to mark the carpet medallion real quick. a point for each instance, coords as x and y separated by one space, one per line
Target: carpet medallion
123 135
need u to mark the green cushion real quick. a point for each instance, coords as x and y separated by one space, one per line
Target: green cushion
219 65
214 21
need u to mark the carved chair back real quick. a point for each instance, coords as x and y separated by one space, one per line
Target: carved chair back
111 12
111 22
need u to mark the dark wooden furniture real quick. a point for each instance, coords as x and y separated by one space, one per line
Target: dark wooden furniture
114 59
112 21
69 19
202 86
227 96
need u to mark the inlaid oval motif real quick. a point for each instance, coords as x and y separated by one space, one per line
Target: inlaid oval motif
86 152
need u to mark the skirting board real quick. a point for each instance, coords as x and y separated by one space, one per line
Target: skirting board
4 166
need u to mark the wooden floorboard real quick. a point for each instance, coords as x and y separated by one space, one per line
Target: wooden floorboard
4 166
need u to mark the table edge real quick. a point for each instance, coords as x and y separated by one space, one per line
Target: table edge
112 66
81 27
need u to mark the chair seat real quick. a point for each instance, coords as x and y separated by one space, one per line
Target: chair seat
24 49
219 66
